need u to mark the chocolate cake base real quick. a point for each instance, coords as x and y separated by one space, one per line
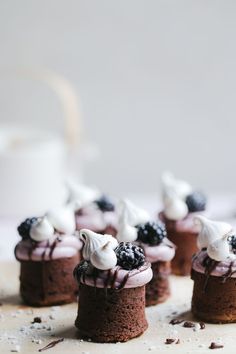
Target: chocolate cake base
186 243
214 299
109 315
158 289
48 282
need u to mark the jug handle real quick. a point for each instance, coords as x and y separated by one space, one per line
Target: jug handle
69 99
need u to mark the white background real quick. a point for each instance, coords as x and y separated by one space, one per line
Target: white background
157 81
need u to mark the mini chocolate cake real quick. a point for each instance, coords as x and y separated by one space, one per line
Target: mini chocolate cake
158 289
181 205
48 282
214 273
48 253
93 210
112 289
183 233
159 251
151 236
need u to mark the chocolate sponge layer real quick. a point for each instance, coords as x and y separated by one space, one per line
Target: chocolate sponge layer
109 315
158 289
186 243
215 300
48 282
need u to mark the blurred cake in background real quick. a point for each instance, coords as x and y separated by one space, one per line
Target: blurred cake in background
214 273
111 280
48 253
181 203
93 210
135 225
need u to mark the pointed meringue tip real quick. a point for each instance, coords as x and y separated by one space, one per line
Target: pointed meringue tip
200 219
83 233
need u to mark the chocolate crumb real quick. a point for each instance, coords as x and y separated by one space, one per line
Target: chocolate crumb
188 324
172 341
216 346
37 320
202 325
169 341
176 321
51 344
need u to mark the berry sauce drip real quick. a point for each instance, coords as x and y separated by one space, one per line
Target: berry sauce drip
151 233
24 228
105 204
196 202
129 256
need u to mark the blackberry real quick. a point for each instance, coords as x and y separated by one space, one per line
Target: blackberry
232 242
24 228
196 202
105 204
152 232
129 256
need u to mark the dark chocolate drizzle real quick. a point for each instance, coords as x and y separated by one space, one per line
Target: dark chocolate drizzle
44 252
229 273
106 281
34 245
110 280
113 279
124 281
210 265
53 246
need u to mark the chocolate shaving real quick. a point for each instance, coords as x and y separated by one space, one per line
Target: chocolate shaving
202 325
188 324
175 321
51 344
216 346
172 341
37 320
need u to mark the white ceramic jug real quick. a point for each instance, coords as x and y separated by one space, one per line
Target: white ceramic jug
34 164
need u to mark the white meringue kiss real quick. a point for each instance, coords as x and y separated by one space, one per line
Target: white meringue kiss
130 214
63 219
173 186
104 257
175 209
219 250
41 230
93 241
127 233
81 195
210 231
